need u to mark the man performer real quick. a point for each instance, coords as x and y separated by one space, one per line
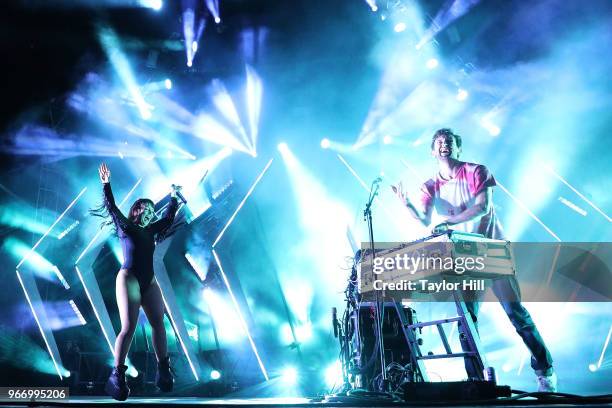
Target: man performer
462 193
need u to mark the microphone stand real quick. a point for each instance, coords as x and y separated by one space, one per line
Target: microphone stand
367 214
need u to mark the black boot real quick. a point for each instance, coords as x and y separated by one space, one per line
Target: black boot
116 386
164 379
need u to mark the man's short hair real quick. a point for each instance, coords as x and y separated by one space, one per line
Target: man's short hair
446 132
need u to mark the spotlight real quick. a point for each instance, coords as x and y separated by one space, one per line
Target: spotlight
491 127
194 46
592 367
372 4
215 375
325 143
66 373
282 147
152 4
146 114
462 94
399 27
494 130
289 375
333 374
168 83
387 139
189 64
432 63
217 20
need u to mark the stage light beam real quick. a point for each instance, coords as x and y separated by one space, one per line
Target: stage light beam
113 50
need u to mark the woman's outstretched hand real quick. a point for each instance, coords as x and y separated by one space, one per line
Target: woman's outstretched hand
104 173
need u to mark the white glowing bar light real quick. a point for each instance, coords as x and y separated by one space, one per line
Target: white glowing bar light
198 270
60 277
67 230
93 306
242 203
78 313
603 351
578 193
242 321
27 256
354 173
573 206
42 332
178 335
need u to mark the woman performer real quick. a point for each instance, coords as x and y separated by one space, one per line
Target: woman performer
135 284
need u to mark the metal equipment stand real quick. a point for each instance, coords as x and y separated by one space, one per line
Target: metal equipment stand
466 328
378 315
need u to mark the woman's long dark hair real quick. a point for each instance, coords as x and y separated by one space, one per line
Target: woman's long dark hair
102 212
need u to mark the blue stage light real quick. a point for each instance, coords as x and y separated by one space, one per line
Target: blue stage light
215 375
289 375
462 94
399 27
282 147
325 143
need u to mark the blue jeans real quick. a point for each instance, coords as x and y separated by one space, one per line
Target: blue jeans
508 293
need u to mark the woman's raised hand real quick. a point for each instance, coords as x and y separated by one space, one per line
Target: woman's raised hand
399 192
104 173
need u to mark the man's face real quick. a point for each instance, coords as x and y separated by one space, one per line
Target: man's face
146 213
445 147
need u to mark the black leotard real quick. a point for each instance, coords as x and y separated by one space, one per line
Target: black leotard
138 243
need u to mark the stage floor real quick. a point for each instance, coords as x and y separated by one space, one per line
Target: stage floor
283 402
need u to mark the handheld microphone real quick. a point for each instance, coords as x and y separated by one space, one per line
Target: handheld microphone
178 193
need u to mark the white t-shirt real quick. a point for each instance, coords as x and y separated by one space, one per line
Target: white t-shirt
451 197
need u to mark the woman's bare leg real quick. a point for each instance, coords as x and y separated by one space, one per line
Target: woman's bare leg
153 306
127 291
